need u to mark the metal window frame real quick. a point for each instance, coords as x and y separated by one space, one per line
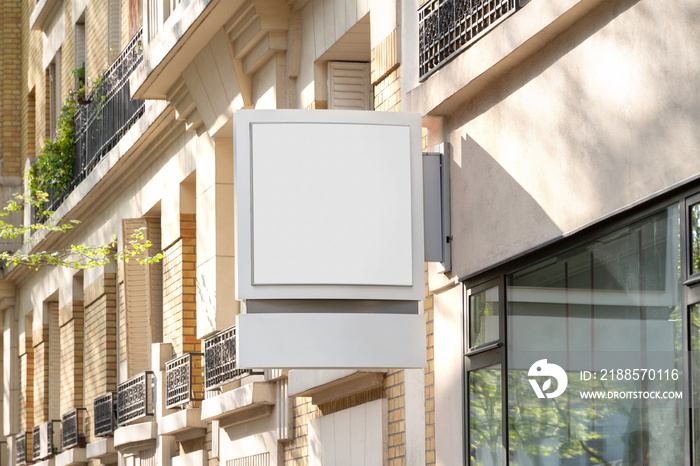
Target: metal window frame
682 195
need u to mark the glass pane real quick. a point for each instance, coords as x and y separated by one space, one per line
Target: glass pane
613 303
695 238
483 317
695 370
485 417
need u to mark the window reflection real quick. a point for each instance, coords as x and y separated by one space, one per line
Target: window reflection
485 416
695 370
694 238
614 302
483 317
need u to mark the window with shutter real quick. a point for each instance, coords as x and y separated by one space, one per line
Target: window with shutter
349 86
144 298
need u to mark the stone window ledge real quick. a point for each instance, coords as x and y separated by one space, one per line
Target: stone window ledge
243 404
102 449
74 457
186 424
324 386
136 436
49 462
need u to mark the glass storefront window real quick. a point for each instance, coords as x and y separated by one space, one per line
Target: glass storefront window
695 370
694 227
613 303
483 317
485 416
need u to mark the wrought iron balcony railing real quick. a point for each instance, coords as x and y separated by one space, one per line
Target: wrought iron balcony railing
446 27
101 123
220 362
183 380
105 408
21 442
45 439
74 428
135 398
105 115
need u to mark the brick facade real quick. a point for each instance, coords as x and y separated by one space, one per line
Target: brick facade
179 289
97 53
10 84
41 374
72 342
26 393
100 364
429 377
94 333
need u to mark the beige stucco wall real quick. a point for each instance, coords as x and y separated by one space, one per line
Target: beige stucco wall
603 115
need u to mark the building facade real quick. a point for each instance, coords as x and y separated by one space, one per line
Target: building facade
574 227
568 131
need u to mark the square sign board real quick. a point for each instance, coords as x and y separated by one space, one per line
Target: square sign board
328 205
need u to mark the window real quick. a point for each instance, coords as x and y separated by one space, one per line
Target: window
485 415
622 300
80 45
693 220
54 93
483 317
484 374
349 86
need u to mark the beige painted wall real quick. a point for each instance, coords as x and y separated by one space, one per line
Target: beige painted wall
602 116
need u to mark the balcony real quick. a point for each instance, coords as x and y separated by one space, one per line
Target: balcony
105 423
157 13
174 33
45 440
220 363
183 380
135 398
74 429
105 408
106 116
21 442
447 27
184 391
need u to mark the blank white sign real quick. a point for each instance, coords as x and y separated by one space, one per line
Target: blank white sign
331 204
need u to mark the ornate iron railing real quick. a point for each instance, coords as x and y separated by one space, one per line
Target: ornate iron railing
135 398
105 408
21 442
220 362
102 118
446 27
73 429
101 123
36 443
44 444
183 380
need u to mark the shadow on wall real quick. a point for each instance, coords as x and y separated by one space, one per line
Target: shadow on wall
510 81
602 116
486 233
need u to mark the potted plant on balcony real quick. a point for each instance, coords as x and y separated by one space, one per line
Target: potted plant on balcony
80 92
53 169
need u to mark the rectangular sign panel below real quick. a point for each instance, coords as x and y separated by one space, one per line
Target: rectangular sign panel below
320 341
